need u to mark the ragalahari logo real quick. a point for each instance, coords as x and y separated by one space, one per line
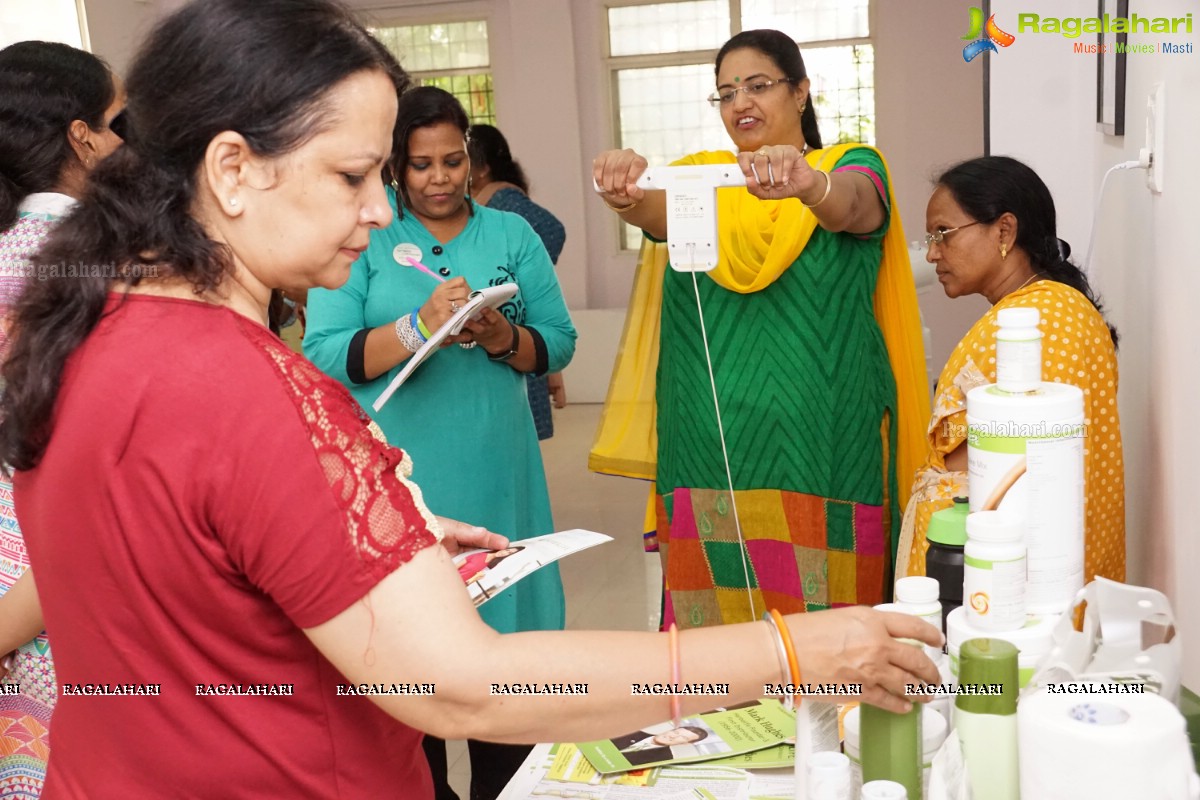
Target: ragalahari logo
984 37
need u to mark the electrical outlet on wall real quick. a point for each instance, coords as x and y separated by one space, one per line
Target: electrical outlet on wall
1155 134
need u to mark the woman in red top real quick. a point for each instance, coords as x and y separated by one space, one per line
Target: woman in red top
233 565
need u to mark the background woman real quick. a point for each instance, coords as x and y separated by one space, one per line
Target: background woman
811 299
57 104
497 181
463 416
991 230
219 516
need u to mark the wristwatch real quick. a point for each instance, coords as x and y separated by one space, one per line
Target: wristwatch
512 351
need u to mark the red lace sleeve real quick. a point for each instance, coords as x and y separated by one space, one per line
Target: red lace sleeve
323 531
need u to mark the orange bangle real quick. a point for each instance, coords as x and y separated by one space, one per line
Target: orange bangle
673 640
786 636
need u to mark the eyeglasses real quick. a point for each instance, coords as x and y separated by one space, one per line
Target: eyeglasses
937 236
725 96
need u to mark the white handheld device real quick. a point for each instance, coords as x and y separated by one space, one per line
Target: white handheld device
692 210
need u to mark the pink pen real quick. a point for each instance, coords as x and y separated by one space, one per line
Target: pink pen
412 262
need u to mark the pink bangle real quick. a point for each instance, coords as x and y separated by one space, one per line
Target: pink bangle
673 640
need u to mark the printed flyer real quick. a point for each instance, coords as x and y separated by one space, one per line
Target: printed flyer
703 737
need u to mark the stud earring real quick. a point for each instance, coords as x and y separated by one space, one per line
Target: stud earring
233 201
1003 251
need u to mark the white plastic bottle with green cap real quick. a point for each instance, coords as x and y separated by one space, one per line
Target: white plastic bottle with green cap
985 720
883 790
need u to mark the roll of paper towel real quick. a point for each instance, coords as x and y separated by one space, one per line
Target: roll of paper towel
1075 741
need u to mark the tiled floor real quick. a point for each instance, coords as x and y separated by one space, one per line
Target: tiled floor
614 586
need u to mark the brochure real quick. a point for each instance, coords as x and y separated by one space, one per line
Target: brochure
489 572
717 734
674 782
569 766
781 755
488 297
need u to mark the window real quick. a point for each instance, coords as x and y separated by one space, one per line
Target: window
45 20
661 56
453 56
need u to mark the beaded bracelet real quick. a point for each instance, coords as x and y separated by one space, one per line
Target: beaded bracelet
408 335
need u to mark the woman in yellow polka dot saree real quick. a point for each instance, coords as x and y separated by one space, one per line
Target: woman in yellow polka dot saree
991 230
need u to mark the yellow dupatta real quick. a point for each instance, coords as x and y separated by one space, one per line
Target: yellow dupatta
767 238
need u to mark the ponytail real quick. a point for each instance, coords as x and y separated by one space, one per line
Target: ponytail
808 125
1053 261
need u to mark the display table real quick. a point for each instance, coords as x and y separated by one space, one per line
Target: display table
683 782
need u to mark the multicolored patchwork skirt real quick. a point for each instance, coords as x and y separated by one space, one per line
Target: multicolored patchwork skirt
801 553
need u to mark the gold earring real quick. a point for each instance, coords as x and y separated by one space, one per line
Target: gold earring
1003 251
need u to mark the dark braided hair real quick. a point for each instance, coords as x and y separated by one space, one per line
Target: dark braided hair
987 187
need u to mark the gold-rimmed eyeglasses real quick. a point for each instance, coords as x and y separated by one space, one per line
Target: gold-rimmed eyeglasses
754 88
937 236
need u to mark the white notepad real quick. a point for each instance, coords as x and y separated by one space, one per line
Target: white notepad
488 297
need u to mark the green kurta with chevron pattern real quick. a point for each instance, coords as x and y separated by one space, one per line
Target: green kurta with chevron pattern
804 382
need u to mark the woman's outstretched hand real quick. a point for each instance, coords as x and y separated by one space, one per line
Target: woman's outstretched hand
777 172
859 645
615 173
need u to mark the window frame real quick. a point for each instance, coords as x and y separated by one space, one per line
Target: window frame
417 77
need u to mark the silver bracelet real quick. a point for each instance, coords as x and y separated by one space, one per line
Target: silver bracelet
407 334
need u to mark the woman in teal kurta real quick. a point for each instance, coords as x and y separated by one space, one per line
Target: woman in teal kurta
462 418
463 415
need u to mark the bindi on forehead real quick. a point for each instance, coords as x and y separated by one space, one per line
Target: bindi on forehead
736 79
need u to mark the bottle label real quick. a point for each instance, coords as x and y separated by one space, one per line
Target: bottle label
1019 364
994 593
1035 471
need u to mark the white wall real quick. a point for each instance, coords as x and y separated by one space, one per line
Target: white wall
929 115
117 27
1043 111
